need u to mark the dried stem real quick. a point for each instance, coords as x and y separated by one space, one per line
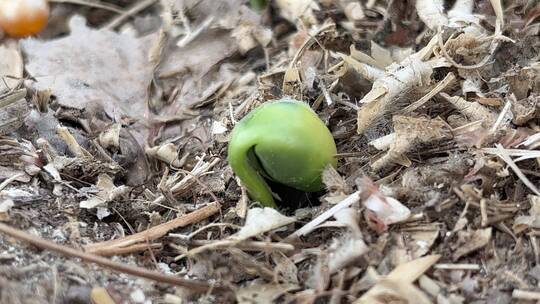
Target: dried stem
121 245
118 20
94 4
188 180
104 262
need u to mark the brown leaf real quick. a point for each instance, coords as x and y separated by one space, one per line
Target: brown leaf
10 65
470 241
92 67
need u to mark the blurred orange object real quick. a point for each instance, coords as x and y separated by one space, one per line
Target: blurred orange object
21 18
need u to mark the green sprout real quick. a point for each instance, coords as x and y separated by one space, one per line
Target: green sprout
283 141
258 5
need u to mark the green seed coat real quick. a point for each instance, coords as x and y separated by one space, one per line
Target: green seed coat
284 141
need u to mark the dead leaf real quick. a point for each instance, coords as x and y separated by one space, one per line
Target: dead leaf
261 220
348 250
248 36
412 73
385 210
285 268
19 159
412 133
167 153
91 67
100 295
432 13
200 55
334 183
422 240
262 293
110 138
107 192
469 241
525 109
382 56
525 222
349 217
218 128
354 11
291 81
398 283
11 65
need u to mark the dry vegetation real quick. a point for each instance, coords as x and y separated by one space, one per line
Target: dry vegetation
114 184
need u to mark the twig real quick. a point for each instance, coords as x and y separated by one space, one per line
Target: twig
508 160
525 295
410 74
307 228
326 94
255 245
439 87
494 43
308 43
106 263
72 143
12 97
522 153
520 282
100 295
104 6
197 171
483 212
457 266
460 66
502 227
198 181
534 245
194 233
371 73
10 180
244 106
191 35
130 12
462 196
55 284
471 110
120 245
129 249
501 116
231 114
242 245
493 220
209 246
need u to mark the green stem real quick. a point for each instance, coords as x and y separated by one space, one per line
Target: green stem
257 187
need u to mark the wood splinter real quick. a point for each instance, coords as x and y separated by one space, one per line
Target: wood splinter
139 241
